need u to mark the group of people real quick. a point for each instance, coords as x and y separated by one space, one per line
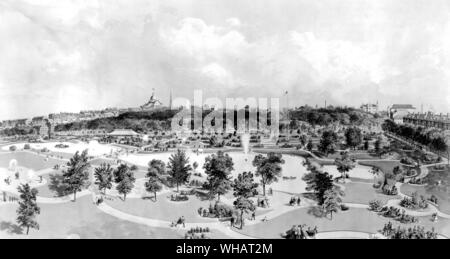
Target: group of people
263 203
295 201
298 232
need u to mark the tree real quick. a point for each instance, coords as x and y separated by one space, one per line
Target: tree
104 177
268 168
244 185
317 180
353 137
328 141
179 168
310 145
244 205
77 173
377 146
332 201
156 168
366 145
303 139
124 178
218 167
344 164
28 208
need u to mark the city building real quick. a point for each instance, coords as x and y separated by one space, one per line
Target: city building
428 120
398 111
370 108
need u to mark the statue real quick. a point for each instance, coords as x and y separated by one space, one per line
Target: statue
151 102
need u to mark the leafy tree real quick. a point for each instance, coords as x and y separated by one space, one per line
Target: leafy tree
353 137
158 166
245 186
366 145
155 170
244 205
77 173
344 164
28 208
179 168
268 168
124 178
218 167
377 146
104 177
303 139
317 180
310 145
328 141
332 201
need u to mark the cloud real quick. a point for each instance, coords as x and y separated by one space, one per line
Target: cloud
234 22
77 54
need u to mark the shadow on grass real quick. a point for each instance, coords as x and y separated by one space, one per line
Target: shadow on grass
316 211
11 228
57 186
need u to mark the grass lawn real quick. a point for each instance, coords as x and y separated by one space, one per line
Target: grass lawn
364 193
441 192
163 208
29 160
54 186
352 220
384 166
81 218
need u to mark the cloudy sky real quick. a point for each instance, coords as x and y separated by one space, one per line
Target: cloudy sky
70 55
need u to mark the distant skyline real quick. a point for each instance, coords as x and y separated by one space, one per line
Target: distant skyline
72 55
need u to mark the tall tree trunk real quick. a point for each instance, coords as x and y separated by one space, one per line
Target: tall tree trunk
218 197
242 219
177 187
155 196
331 215
124 196
264 189
28 229
74 195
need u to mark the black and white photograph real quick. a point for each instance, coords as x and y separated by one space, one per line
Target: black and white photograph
224 120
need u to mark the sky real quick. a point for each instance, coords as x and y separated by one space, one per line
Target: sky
72 55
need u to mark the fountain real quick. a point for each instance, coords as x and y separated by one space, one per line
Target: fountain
12 165
245 141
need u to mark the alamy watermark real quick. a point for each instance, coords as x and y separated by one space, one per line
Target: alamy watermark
242 115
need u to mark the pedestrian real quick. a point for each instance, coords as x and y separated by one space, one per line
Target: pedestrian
232 221
183 220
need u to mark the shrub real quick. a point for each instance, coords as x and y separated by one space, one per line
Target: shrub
12 148
415 202
26 146
375 205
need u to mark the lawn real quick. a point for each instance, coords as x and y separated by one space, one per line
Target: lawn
354 219
163 208
29 160
81 218
364 193
384 166
442 192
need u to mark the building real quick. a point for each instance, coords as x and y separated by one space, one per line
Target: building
370 108
398 111
123 133
428 120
